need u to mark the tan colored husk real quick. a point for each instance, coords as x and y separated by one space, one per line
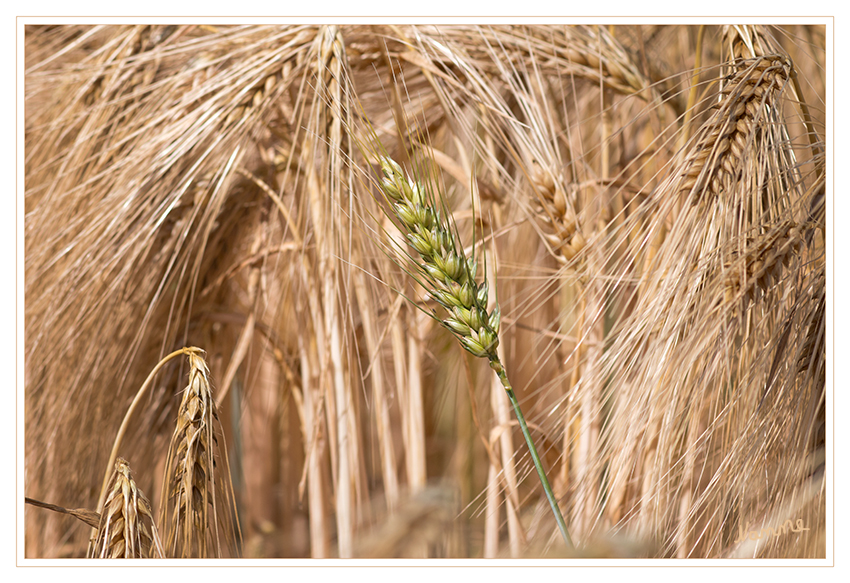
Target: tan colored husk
714 163
127 529
197 497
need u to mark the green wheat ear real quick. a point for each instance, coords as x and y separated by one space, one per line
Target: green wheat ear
449 276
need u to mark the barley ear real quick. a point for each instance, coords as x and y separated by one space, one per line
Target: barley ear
137 400
126 529
198 510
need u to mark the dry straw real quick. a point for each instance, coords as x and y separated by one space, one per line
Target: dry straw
90 517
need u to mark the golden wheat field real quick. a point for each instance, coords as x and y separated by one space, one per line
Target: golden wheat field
267 267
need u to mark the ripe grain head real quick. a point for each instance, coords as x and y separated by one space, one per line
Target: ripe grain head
197 493
127 529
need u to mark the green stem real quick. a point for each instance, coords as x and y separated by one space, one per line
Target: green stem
500 370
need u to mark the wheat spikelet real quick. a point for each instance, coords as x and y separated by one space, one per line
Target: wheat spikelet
126 529
812 357
193 486
450 276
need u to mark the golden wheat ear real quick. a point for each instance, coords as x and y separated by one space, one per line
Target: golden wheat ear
198 509
126 529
